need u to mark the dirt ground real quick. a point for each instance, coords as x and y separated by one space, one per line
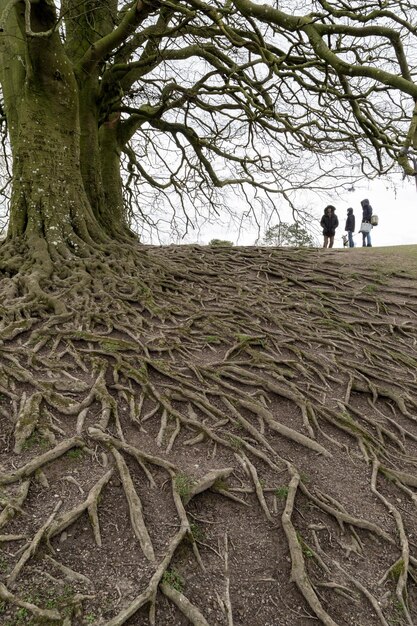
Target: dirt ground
218 436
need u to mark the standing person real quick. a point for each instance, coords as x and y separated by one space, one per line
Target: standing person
329 223
366 217
350 226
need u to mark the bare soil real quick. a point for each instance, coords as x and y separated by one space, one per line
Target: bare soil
210 436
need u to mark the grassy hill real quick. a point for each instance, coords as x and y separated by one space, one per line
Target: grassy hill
202 435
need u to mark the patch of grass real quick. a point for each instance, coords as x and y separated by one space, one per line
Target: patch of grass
174 579
243 338
307 552
249 339
220 485
335 324
86 336
404 358
160 364
90 618
138 374
396 570
387 474
33 599
399 607
110 346
143 290
51 603
60 601
35 439
183 485
21 614
75 454
350 422
370 289
197 533
235 442
382 278
396 259
212 339
143 370
281 492
2 607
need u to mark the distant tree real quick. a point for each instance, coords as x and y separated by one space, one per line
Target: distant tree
292 235
220 242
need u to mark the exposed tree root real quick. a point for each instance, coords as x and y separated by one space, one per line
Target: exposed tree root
187 399
298 569
68 572
356 583
90 505
401 588
42 614
135 507
13 505
30 551
31 467
227 600
345 518
27 420
190 611
150 591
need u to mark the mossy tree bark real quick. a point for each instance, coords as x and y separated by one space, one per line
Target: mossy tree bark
99 170
110 153
49 200
52 105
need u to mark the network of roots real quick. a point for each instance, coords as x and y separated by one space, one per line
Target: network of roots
214 436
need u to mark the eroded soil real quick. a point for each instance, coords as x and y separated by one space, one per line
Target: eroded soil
211 436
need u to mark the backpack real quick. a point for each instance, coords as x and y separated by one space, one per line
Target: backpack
374 220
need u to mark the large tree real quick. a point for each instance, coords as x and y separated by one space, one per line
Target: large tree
177 424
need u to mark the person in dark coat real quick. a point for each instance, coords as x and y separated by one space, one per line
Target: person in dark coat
366 217
329 223
350 226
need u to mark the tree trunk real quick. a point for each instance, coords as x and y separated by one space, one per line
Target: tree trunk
89 144
110 151
54 195
96 166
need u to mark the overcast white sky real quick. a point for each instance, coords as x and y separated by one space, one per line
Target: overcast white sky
396 209
395 205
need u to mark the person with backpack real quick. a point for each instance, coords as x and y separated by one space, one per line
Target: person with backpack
366 218
329 223
350 226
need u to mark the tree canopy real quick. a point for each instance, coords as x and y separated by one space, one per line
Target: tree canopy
172 102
